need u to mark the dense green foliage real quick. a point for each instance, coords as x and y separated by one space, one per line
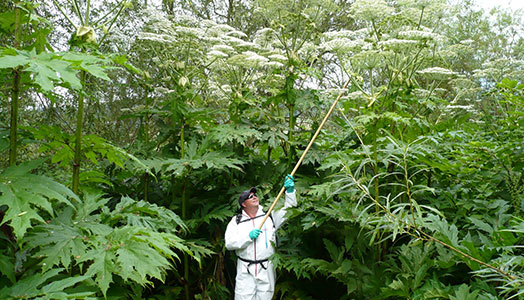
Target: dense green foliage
128 129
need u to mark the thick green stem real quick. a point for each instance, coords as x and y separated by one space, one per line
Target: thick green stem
173 190
184 210
77 10
292 150
78 136
375 159
64 14
146 186
14 97
375 171
88 8
290 83
14 118
146 141
122 6
182 154
186 257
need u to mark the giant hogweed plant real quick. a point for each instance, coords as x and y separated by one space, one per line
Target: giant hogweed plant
424 184
77 250
406 217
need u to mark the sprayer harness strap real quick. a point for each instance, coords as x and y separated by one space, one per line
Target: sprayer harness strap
253 262
239 218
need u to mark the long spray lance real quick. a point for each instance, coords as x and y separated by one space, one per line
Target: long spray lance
326 117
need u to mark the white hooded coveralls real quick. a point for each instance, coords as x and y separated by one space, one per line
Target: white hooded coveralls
255 281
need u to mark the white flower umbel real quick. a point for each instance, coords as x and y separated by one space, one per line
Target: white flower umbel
396 44
238 42
339 34
223 48
342 45
467 42
371 10
459 107
437 73
208 24
163 90
252 56
418 35
358 95
226 88
368 59
237 33
273 64
421 93
265 37
154 37
216 53
417 3
278 57
225 28
192 31
265 31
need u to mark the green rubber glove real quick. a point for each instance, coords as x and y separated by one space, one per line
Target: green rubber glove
254 233
289 184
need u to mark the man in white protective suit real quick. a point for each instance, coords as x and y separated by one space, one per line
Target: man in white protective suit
255 279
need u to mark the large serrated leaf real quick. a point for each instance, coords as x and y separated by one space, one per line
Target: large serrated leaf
60 285
7 267
28 287
13 61
102 267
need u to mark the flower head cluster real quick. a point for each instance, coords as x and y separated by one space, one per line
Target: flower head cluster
368 59
237 33
278 57
418 35
342 45
223 48
274 64
252 56
459 107
190 31
371 10
437 73
358 95
236 42
154 37
416 3
396 44
217 54
339 34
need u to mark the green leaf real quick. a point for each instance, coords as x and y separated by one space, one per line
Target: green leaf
102 267
81 58
7 268
24 193
140 259
13 61
334 252
227 133
481 225
60 285
28 287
